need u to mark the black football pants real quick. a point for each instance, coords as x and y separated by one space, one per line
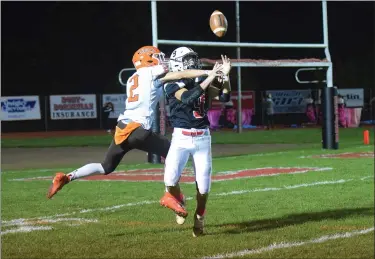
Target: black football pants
141 139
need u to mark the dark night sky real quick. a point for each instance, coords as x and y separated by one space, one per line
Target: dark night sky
79 47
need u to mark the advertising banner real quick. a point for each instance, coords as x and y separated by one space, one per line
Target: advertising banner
18 108
289 101
118 101
69 107
353 97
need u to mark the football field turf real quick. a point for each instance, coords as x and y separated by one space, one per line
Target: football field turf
302 202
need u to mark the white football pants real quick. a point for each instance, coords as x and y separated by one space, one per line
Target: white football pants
182 147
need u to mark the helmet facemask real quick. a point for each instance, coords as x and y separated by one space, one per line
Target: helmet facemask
161 57
184 58
191 61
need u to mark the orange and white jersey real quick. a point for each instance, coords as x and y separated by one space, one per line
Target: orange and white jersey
143 91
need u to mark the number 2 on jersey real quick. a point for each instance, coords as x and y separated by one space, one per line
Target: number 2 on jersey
133 85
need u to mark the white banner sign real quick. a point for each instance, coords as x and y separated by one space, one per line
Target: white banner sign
353 97
118 101
68 107
19 108
289 101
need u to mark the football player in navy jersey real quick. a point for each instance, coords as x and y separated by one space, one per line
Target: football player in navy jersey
189 102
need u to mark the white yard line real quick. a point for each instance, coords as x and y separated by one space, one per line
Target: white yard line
25 222
367 177
27 225
24 229
38 170
147 202
283 188
335 155
282 245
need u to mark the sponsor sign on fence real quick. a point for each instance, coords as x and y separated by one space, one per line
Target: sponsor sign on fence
289 101
118 101
68 107
18 108
353 97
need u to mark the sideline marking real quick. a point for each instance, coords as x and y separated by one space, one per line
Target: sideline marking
343 155
282 245
29 225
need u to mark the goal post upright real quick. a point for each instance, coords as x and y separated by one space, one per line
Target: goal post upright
239 80
159 123
330 124
330 128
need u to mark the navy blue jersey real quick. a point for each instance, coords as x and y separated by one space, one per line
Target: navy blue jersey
183 115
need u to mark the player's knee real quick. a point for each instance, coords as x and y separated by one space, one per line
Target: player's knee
108 168
203 190
203 187
170 181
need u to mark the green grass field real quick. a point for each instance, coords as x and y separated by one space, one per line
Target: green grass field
316 214
292 136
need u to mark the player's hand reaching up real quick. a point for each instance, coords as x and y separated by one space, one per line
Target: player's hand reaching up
217 70
227 66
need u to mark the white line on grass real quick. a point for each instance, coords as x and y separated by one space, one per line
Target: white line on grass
282 245
24 229
25 222
25 225
337 155
147 202
367 177
283 188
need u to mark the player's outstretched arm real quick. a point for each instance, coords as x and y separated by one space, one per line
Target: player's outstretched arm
190 73
222 93
227 66
190 96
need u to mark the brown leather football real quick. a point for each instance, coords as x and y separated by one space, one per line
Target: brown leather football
218 23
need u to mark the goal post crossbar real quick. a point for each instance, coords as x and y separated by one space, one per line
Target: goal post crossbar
241 44
271 63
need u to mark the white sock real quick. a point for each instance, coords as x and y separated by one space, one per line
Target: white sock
86 170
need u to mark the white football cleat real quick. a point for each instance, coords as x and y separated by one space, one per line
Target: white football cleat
198 225
179 219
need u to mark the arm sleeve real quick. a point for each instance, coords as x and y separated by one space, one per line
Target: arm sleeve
189 97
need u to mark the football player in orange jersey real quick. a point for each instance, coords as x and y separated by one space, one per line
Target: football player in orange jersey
133 131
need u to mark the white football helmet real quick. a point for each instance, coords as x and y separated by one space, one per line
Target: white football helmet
184 58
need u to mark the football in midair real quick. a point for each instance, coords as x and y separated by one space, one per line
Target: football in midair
218 23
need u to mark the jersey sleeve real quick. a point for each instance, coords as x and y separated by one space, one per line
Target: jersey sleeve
171 88
158 71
